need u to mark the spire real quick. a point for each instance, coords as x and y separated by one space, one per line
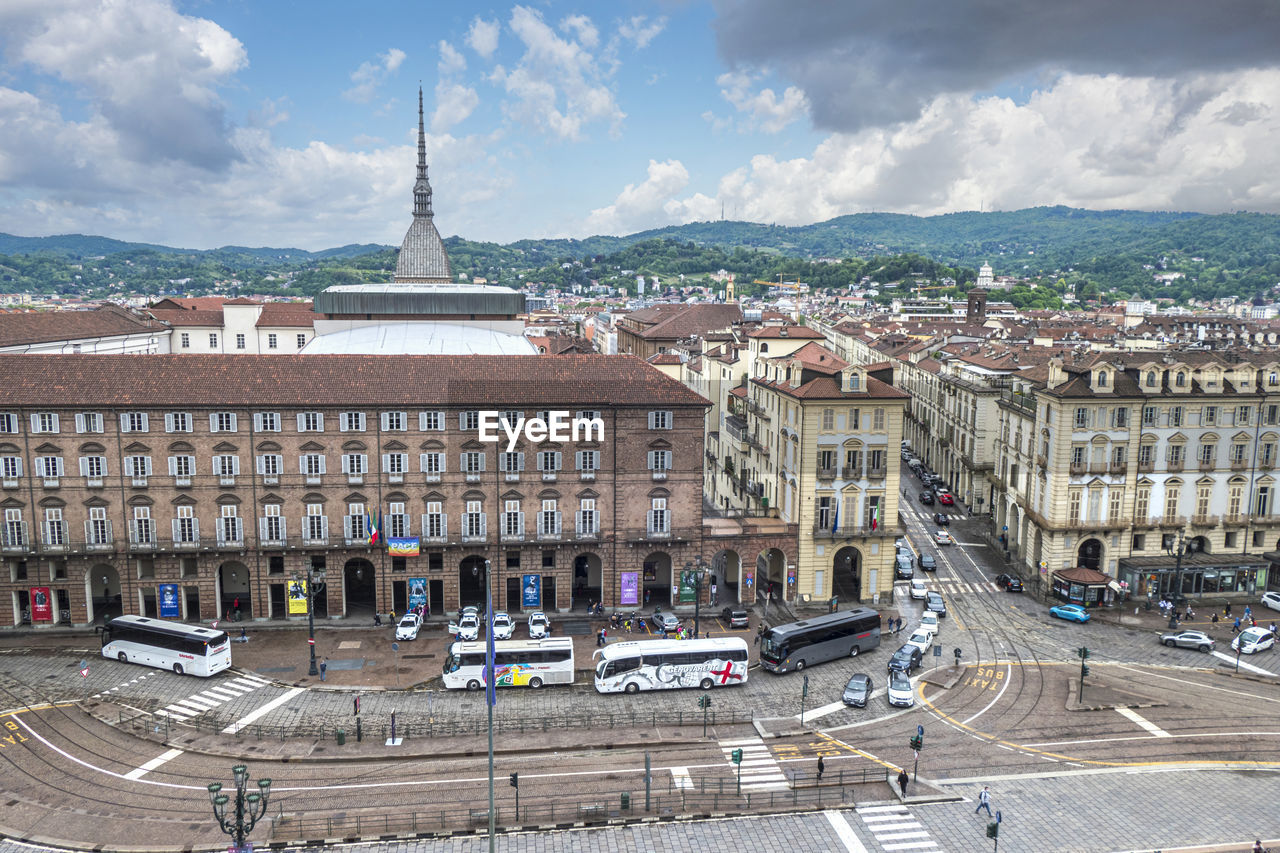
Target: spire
422 187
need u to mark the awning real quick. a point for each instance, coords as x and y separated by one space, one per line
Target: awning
1115 587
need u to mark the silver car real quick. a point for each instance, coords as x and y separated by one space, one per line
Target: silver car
1188 640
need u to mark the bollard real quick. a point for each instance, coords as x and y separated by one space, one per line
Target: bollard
342 737
359 733
626 801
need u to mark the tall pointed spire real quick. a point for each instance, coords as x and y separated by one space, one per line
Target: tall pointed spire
421 187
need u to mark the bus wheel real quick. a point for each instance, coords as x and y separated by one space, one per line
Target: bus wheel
123 657
707 684
535 682
473 685
799 665
632 687
853 652
177 669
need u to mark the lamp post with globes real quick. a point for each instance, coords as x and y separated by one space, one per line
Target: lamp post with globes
1175 593
312 576
249 808
695 572
490 689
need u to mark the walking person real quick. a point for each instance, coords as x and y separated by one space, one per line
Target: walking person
903 779
324 667
822 766
1235 627
984 801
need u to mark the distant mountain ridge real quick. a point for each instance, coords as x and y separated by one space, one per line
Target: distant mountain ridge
86 246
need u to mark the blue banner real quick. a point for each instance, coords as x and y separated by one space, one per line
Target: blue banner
170 608
531 592
417 592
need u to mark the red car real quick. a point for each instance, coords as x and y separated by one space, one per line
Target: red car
945 499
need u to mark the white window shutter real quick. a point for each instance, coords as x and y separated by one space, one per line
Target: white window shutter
422 421
386 461
462 462
346 463
235 465
386 421
559 460
422 462
146 422
364 463
260 463
84 466
484 524
55 424
213 422
302 422
57 462
168 422
80 427
653 419
146 465
650 463
173 466
257 422
235 422
346 526
322 465
302 464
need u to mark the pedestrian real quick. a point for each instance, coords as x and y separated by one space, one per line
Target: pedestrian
984 801
759 634
822 765
1190 614
903 779
1215 617
324 666
1226 609
1235 627
604 635
377 620
599 638
1248 611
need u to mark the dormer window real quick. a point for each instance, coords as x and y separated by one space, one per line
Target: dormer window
1102 379
1180 380
1151 379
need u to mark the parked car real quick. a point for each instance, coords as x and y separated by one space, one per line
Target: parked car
921 639
929 622
900 694
904 570
927 563
942 537
926 498
665 622
1252 640
503 627
945 499
1009 583
919 589
1271 599
1188 640
858 690
468 626
539 625
736 617
933 603
941 519
1070 612
409 626
906 659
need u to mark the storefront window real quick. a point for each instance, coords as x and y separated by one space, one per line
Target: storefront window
1211 582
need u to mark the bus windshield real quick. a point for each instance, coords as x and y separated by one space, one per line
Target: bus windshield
770 648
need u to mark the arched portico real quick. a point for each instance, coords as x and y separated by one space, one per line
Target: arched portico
726 574
658 578
846 575
1089 554
235 602
103 593
359 588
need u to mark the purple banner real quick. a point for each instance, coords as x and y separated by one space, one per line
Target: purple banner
630 588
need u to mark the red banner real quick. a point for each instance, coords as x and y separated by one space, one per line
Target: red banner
41 604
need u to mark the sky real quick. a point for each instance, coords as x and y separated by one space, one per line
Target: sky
203 123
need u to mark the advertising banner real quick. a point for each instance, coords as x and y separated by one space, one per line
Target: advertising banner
687 592
169 606
417 591
41 604
402 546
630 588
531 592
297 598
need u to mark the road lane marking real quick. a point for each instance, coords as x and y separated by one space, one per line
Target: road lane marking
845 832
680 775
1243 664
1008 678
822 711
1134 717
139 772
264 710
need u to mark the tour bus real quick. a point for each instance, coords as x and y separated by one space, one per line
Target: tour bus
666 664
516 663
185 649
822 638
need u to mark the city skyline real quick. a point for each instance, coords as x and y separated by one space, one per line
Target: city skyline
214 123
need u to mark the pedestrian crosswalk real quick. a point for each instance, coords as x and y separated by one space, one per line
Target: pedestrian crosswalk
760 770
207 700
894 828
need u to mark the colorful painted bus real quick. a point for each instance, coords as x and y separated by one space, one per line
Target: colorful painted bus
668 664
517 663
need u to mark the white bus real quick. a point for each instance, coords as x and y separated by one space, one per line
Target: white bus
666 664
516 663
185 649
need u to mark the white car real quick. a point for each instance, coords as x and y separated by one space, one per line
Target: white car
539 625
503 627
1271 599
1252 640
468 627
901 694
409 626
929 622
942 537
922 640
918 589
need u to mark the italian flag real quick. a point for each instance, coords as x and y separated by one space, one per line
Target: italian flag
875 516
373 529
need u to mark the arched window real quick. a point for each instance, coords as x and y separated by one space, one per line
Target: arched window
1181 380
1102 379
1151 379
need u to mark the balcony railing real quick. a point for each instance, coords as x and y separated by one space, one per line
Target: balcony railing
875 473
757 409
1118 467
1239 464
1208 464
1175 465
1098 468
735 427
1205 520
14 538
849 531
1146 467
1236 518
826 473
1078 468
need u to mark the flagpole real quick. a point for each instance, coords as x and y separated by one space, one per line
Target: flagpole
490 688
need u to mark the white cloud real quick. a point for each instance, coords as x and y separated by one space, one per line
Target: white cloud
483 37
639 30
581 26
451 61
454 101
643 205
557 85
764 109
371 74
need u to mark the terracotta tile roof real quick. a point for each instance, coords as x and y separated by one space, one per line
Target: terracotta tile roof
664 358
771 332
299 314
241 300
481 381
817 356
828 388
673 322
191 317
192 303
35 327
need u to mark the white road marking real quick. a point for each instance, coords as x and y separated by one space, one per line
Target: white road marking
1243 663
681 777
139 772
845 832
822 711
1135 717
265 709
1007 679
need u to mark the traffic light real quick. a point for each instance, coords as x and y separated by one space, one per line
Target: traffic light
917 742
1084 670
515 780
704 701
1083 653
993 830
736 756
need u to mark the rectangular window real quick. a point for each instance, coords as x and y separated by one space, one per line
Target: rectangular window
1171 496
273 340
659 519
177 422
1150 415
97 529
311 465
11 468
469 421
549 519
222 422
433 523
8 422
1115 502
226 467
512 519
394 421
353 523
90 422
1139 542
1082 418
1142 503
1175 455
269 466
473 521
1120 418
429 421
93 468
853 419
660 420
185 528
877 420
55 529
44 422
511 462
266 422
1262 501
1202 500
316 523
310 422
351 422
588 460
1077 455
1243 414
397 521
1210 416
180 467
659 462
1118 453
302 340
213 340
354 464
473 462
1238 452
1145 453
588 523
395 464
588 414
1207 453
549 461
1073 507
229 529
185 339
1235 499
272 524
1175 416
828 420
431 463
240 342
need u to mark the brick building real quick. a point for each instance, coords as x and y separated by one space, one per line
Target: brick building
221 478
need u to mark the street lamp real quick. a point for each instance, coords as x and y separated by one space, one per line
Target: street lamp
490 688
312 574
695 572
1176 592
249 808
